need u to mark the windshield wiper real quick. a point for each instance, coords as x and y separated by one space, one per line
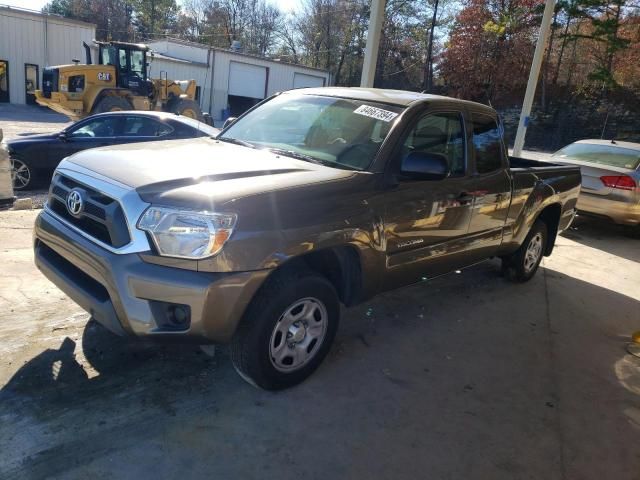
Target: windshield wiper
236 141
308 158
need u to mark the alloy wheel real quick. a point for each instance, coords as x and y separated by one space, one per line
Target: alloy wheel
20 174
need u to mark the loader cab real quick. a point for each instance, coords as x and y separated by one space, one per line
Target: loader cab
130 63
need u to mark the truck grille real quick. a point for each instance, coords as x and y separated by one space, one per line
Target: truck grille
101 217
49 81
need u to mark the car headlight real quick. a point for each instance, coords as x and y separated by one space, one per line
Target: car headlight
185 233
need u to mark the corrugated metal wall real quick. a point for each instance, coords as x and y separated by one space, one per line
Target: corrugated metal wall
177 70
38 39
280 77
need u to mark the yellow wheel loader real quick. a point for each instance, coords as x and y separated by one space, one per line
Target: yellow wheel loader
118 82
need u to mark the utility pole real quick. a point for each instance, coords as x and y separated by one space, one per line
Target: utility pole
373 42
428 68
534 74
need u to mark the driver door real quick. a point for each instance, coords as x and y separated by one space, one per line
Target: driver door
427 220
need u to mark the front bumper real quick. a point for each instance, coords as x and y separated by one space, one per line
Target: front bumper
123 293
624 209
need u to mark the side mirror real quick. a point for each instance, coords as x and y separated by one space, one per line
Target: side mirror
424 165
63 136
228 122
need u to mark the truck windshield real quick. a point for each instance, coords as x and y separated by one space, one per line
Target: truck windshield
339 132
611 155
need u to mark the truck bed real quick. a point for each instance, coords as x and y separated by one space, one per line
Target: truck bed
525 163
521 168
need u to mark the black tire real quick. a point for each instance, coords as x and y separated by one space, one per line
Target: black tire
251 347
22 175
518 267
112 103
186 107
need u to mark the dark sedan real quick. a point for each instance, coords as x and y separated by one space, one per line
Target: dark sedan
34 158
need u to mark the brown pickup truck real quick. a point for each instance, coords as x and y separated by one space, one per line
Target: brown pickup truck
312 199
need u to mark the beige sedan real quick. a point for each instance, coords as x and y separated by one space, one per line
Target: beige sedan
610 178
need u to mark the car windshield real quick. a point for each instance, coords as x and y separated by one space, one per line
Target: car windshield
611 155
339 132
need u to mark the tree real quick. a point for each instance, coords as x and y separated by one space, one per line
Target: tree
112 17
490 49
154 18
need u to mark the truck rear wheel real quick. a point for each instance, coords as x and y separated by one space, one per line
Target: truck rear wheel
186 107
112 103
287 330
523 264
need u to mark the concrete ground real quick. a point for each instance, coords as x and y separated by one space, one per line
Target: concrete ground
21 120
467 376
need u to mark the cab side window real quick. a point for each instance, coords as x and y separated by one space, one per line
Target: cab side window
487 143
440 133
122 64
76 84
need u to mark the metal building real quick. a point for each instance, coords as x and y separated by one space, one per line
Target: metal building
230 81
30 41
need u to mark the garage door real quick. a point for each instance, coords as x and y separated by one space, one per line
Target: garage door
247 80
302 80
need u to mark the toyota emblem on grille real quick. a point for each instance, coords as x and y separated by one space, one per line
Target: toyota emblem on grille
75 203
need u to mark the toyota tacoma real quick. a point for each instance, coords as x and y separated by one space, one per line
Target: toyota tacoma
312 199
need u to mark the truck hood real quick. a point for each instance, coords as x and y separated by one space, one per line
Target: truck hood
201 173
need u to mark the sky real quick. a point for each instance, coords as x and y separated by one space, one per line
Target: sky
285 5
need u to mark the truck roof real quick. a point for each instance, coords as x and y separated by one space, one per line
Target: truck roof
402 98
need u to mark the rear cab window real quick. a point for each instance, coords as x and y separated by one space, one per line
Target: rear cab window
487 143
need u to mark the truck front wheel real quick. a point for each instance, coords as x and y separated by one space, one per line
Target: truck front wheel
287 330
523 264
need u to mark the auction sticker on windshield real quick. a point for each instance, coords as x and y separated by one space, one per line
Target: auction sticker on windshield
374 112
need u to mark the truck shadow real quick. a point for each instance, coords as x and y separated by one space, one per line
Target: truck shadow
617 240
466 359
72 375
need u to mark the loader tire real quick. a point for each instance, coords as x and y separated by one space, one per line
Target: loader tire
185 107
112 103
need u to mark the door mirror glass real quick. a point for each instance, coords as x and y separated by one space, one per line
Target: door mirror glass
425 165
229 121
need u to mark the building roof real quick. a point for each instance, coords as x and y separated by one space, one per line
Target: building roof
49 16
162 56
402 98
234 52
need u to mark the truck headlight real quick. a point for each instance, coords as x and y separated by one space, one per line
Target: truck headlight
187 234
